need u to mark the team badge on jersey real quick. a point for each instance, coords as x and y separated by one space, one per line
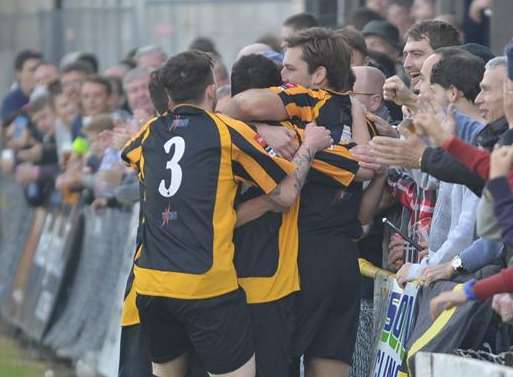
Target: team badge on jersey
179 123
288 85
347 135
168 216
260 140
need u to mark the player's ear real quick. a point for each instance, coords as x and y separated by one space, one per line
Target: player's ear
210 91
319 76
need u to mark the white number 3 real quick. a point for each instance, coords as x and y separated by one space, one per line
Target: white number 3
176 170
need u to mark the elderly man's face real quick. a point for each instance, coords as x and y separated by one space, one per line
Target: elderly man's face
490 98
138 94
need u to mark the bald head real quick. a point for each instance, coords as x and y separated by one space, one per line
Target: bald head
254 48
368 87
368 80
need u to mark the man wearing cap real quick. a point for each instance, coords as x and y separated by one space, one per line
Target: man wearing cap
382 36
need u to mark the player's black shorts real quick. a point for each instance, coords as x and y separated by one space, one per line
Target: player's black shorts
273 326
134 353
328 304
217 329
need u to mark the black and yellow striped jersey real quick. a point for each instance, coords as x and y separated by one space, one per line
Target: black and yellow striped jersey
267 248
328 108
266 251
190 163
324 207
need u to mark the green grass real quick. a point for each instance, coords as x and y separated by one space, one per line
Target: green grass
16 362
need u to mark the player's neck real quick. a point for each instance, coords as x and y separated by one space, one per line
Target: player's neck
204 105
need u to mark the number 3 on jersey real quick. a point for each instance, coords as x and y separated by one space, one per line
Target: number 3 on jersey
176 170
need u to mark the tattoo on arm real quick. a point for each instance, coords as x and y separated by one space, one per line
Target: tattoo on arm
303 161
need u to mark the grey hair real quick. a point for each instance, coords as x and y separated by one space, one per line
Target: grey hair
149 49
135 74
497 62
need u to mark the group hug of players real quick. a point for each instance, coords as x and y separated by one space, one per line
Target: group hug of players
245 260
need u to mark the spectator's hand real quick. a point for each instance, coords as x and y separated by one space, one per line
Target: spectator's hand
32 154
120 137
442 271
99 203
508 100
68 181
402 275
363 154
72 176
447 300
281 139
503 305
501 161
98 146
18 142
106 137
383 127
396 90
27 173
396 251
432 121
424 252
397 152
476 8
141 117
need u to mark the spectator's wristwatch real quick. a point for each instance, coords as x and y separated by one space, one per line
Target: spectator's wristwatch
457 264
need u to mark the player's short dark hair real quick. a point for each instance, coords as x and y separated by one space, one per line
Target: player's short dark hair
464 71
253 72
25 55
362 16
301 21
186 76
325 48
438 33
158 93
100 80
